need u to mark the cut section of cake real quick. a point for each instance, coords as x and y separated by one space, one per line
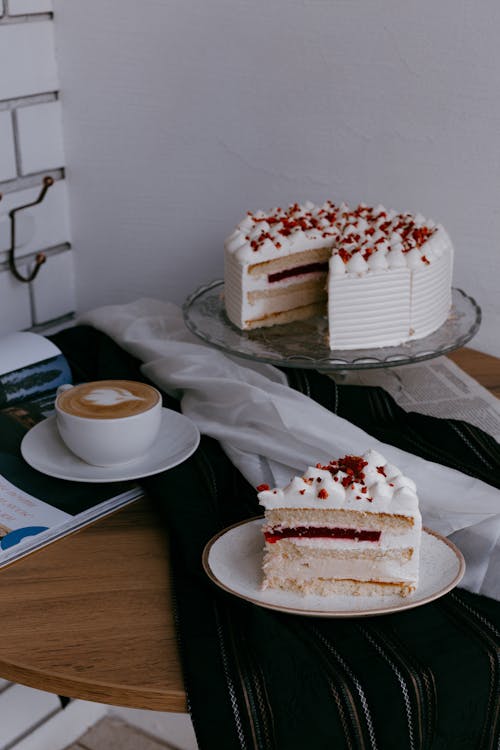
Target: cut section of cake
350 527
381 277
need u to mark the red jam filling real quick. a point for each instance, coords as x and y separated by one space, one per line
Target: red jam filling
314 532
298 271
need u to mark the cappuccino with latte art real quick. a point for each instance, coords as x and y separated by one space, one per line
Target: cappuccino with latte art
108 399
108 422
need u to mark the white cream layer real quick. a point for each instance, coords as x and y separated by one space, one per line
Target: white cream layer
431 295
386 542
360 570
372 309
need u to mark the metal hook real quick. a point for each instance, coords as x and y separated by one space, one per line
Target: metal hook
40 257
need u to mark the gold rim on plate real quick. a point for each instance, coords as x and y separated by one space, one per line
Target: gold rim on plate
406 602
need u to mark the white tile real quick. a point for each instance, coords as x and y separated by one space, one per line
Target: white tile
22 708
15 314
40 137
27 59
39 227
24 7
174 728
113 734
7 153
53 290
63 728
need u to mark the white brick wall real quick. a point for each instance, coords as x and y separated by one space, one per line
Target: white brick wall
27 59
51 300
15 300
40 137
32 146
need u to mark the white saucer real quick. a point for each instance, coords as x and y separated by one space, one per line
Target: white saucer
233 560
43 449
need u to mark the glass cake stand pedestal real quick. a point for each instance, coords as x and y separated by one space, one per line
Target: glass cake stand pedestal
303 343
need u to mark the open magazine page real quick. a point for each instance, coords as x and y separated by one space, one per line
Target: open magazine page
36 509
31 369
437 387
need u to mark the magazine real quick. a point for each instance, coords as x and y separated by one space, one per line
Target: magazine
36 509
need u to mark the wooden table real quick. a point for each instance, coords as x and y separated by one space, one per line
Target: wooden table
90 616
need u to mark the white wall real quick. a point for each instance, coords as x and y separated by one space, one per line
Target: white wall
180 115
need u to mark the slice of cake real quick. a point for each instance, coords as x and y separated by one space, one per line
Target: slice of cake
350 527
381 277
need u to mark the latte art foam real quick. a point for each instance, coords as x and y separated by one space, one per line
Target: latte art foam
108 399
110 396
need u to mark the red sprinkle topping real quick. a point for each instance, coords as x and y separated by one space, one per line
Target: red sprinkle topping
329 221
322 494
262 487
351 465
381 470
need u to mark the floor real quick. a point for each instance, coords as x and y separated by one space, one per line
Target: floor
112 733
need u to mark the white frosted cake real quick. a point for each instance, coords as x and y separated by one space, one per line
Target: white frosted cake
351 527
382 277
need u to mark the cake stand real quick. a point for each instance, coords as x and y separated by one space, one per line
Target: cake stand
302 344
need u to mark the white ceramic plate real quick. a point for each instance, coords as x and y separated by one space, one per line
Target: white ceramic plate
233 560
43 449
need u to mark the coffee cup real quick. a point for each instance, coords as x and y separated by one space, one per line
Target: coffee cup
108 422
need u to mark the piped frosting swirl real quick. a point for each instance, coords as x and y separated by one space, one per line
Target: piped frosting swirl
364 238
367 483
